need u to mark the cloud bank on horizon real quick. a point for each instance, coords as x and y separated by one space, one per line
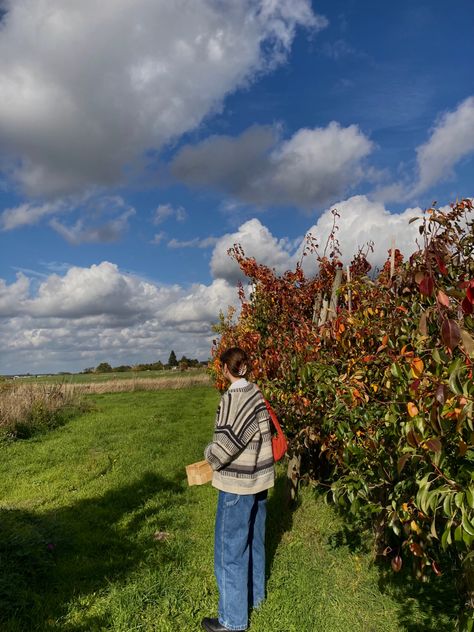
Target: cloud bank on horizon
151 136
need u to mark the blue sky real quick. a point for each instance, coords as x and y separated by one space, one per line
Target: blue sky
140 139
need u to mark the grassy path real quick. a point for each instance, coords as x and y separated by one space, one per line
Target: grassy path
99 531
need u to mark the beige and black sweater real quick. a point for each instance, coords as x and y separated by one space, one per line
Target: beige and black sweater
241 451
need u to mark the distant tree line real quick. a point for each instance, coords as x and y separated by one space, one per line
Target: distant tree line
183 364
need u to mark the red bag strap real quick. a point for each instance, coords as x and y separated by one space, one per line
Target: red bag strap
274 418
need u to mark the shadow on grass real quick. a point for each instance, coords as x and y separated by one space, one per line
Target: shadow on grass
351 538
436 601
48 559
280 510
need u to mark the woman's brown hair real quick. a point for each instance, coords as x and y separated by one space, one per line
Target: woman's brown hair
236 360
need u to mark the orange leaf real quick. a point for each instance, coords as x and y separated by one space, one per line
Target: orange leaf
417 367
412 409
443 299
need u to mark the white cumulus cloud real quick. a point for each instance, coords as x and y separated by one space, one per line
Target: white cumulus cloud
362 221
451 140
257 241
88 87
166 211
313 167
28 214
87 315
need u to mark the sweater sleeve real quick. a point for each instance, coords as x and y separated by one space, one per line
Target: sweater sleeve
234 428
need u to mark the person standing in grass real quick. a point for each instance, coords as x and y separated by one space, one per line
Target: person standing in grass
242 459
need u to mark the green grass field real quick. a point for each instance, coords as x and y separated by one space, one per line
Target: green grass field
99 531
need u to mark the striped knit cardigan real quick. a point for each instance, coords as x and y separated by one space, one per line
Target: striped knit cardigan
241 451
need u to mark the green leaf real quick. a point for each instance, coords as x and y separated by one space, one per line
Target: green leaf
458 499
470 497
446 538
467 526
433 500
458 534
447 504
433 527
467 539
422 495
396 370
455 383
468 342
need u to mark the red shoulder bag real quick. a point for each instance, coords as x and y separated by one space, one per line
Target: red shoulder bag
279 441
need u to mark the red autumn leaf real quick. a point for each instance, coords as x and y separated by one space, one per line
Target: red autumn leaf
470 291
441 265
402 462
450 334
433 444
396 563
426 285
466 306
413 439
416 549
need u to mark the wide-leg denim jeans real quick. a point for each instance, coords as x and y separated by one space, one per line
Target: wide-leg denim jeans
239 556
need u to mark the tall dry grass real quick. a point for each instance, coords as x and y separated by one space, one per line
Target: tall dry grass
28 408
32 407
141 384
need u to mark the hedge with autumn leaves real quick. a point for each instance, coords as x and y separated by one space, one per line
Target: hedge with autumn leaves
378 401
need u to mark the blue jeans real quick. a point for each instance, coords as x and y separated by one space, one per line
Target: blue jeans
239 556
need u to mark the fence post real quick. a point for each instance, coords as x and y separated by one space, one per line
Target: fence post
324 312
317 306
335 286
349 291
